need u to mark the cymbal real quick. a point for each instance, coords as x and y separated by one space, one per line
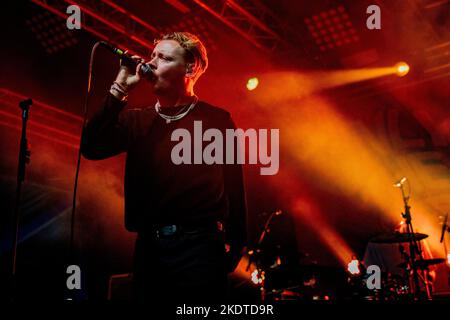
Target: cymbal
397 237
423 264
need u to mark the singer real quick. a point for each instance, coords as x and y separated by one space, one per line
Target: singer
190 219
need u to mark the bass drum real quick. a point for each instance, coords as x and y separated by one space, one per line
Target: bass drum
393 288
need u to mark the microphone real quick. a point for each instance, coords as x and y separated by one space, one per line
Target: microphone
399 183
444 227
145 68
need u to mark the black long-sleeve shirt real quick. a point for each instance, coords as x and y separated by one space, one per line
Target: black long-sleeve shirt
157 191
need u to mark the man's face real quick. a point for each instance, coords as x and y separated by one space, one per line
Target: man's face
169 66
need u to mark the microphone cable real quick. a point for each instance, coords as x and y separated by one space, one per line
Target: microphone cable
77 172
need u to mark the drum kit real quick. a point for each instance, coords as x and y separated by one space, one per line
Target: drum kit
283 279
286 280
415 283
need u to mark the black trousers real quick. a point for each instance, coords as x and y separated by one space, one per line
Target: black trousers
187 267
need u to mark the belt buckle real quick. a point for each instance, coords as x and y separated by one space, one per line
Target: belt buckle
172 229
169 230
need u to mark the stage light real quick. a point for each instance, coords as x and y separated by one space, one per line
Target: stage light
252 83
257 278
402 69
329 24
353 267
448 258
50 34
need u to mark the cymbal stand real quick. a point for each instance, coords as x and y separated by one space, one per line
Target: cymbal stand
256 252
414 248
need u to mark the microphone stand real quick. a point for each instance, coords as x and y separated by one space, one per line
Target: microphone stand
263 235
266 226
257 250
24 159
414 247
444 227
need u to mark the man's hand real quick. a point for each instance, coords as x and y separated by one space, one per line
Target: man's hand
128 76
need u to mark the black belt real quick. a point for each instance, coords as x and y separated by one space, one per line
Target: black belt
170 230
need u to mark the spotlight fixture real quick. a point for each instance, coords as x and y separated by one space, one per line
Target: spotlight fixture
332 28
252 83
401 69
51 32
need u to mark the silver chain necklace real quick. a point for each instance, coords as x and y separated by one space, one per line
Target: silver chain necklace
176 116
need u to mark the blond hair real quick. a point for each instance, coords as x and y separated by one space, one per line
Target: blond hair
194 48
